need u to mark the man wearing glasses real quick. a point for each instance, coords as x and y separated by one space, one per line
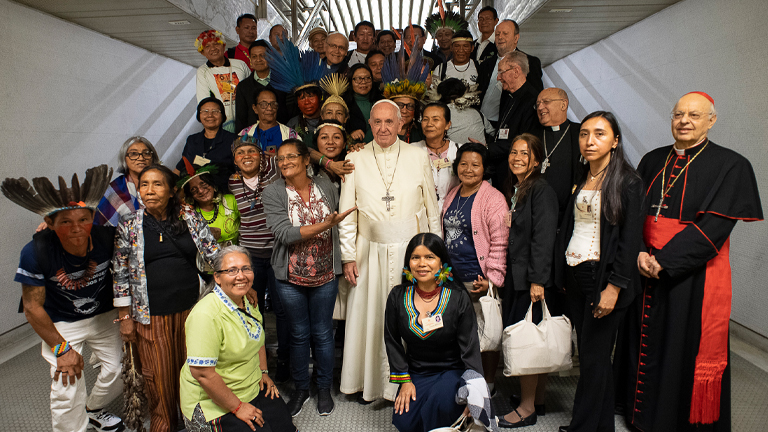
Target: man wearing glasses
268 131
474 75
516 115
336 46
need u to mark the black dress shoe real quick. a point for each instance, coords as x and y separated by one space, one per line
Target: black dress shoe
541 410
325 403
523 422
362 401
563 428
298 399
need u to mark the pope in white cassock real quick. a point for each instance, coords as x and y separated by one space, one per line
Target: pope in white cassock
393 189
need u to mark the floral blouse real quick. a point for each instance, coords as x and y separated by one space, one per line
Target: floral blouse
130 278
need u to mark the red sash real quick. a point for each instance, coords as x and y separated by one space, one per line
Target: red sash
715 316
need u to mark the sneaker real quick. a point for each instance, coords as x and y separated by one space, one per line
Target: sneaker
298 399
104 421
325 404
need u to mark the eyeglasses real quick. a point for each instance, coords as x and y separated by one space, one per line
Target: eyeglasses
502 72
545 102
361 80
290 157
214 112
133 155
265 105
409 107
233 271
695 116
336 47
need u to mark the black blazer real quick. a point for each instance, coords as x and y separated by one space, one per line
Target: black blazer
489 52
619 246
532 239
245 115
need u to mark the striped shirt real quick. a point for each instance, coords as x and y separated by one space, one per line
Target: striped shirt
254 233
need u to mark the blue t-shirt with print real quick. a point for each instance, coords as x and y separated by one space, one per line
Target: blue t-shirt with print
457 224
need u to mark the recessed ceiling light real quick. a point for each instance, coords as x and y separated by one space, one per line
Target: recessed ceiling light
179 22
559 10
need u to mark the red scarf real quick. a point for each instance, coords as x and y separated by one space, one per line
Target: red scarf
715 315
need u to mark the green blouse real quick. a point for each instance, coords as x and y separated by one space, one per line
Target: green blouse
227 219
221 336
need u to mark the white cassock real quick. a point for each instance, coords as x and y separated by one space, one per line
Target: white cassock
376 238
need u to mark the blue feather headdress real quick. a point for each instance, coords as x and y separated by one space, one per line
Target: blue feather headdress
405 78
293 70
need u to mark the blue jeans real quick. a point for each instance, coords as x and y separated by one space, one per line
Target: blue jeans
310 313
263 280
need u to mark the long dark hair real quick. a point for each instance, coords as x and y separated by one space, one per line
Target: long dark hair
206 178
173 210
316 135
535 154
618 174
432 242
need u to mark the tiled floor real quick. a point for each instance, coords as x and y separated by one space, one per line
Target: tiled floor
24 384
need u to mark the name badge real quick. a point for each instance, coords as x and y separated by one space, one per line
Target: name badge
432 323
200 161
504 133
442 163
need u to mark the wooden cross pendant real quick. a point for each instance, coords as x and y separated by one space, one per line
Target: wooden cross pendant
388 198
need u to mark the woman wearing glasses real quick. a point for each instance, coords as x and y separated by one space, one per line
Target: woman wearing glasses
212 145
267 131
224 383
122 196
301 212
364 95
410 109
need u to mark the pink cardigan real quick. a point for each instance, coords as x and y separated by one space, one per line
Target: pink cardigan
489 232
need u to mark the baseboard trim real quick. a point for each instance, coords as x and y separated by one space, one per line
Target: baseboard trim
16 341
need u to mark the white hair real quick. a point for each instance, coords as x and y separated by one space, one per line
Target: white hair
387 101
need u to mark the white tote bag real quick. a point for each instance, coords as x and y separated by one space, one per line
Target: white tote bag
533 349
489 324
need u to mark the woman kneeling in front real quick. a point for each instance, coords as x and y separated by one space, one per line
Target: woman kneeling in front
224 384
434 316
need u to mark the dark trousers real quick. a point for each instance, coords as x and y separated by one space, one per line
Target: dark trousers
263 282
274 412
593 405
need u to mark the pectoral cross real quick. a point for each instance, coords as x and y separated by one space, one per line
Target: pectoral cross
658 208
388 198
545 165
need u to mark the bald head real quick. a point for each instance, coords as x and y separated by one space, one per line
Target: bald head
692 118
336 46
552 106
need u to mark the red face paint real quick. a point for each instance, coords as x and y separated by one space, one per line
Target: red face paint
73 227
309 104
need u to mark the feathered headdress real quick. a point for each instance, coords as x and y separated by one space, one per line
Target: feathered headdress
294 70
405 78
335 85
43 198
443 19
191 172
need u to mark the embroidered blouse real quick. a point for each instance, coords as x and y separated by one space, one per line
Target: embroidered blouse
221 336
310 262
130 278
585 242
454 346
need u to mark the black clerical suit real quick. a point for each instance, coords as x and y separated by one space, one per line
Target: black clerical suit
593 407
516 116
565 168
678 316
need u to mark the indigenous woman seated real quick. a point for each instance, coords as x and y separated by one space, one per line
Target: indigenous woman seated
122 196
475 233
218 210
224 383
441 150
597 249
533 226
157 283
301 212
213 144
431 338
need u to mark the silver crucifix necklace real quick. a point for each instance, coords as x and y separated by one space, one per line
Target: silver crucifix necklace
546 164
387 198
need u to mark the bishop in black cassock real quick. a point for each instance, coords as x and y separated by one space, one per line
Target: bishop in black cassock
696 191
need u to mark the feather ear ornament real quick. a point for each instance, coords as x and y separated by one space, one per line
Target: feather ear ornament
43 198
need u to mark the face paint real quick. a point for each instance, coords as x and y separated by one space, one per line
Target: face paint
73 227
309 104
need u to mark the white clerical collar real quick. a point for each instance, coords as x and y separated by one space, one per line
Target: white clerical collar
681 152
387 149
555 128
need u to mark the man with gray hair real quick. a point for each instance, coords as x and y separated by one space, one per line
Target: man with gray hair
336 46
516 115
395 199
